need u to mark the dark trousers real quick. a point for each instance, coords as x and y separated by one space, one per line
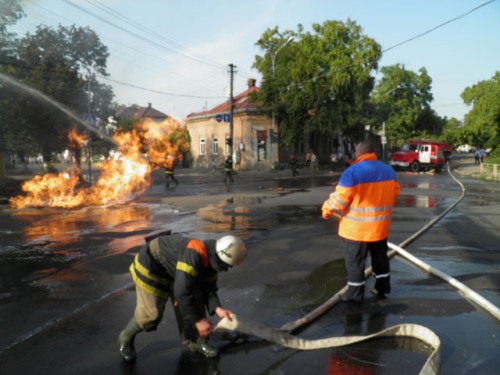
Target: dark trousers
170 176
228 176
355 257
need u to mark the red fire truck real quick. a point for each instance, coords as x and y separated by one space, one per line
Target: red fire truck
421 154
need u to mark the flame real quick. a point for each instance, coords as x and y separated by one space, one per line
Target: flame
120 179
76 140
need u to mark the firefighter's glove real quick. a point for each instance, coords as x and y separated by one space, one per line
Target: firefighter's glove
326 211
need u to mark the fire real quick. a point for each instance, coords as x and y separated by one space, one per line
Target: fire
76 140
141 150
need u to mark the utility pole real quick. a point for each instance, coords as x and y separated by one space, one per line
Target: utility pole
384 140
273 157
231 110
89 134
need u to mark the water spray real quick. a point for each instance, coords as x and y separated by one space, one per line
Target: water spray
40 95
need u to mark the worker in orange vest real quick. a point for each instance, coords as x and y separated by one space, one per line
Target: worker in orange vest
363 200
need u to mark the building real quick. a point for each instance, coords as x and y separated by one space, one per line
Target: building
254 140
141 113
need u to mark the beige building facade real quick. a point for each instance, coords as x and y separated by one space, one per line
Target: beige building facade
254 139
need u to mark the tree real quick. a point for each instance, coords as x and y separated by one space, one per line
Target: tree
402 100
127 123
452 132
320 82
482 122
10 12
58 63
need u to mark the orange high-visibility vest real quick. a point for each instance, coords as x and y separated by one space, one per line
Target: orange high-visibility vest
364 199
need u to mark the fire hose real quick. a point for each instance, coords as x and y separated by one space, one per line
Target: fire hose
284 337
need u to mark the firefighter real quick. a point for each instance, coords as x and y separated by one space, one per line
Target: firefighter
293 165
363 200
228 170
169 170
184 270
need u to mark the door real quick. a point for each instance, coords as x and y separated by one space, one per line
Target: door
261 145
424 154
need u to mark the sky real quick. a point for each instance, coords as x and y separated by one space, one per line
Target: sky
175 54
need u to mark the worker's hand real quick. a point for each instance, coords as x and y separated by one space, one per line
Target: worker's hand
204 327
223 313
326 211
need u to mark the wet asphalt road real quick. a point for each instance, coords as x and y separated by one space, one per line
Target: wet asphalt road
65 290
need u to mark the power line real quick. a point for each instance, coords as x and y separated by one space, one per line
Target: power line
141 27
439 26
399 44
138 61
159 92
139 36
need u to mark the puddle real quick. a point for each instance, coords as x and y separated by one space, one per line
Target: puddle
234 215
421 185
423 201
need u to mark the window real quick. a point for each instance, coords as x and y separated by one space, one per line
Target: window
202 146
227 145
215 146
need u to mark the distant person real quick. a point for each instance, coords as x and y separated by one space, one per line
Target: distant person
184 270
228 170
481 155
308 158
169 171
293 165
314 162
476 156
363 201
333 161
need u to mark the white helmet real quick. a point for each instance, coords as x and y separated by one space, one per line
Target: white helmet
231 250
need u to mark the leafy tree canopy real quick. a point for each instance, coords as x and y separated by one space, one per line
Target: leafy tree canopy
10 12
482 123
60 63
402 100
319 81
452 132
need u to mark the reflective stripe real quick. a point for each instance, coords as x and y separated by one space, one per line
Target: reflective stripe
145 272
381 276
371 209
354 209
340 202
355 284
368 219
146 281
181 266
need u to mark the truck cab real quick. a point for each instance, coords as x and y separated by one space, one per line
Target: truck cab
416 155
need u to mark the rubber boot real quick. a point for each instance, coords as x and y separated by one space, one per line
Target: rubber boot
202 347
126 340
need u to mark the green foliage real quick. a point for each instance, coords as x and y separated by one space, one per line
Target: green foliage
402 100
10 12
482 123
319 82
60 63
452 132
